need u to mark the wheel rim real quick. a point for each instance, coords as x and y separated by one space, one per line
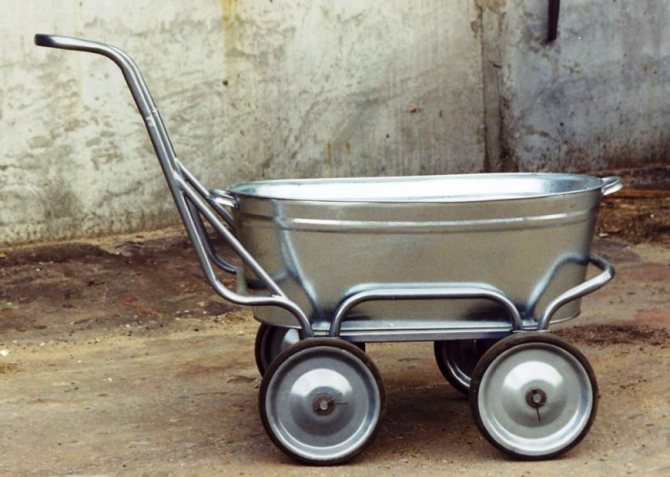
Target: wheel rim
535 399
271 341
322 403
457 360
462 357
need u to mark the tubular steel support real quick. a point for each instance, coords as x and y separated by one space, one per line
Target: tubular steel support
413 291
190 196
214 202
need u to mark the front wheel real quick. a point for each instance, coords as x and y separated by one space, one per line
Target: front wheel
533 395
321 401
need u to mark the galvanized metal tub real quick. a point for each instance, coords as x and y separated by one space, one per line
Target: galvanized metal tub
322 240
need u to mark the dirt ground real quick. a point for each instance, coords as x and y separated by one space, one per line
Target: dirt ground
116 358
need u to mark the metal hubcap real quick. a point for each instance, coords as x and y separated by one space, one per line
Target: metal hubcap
535 399
322 403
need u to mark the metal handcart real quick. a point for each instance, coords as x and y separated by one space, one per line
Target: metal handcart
479 264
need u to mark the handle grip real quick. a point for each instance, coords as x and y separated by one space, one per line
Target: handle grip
611 184
42 39
131 73
65 42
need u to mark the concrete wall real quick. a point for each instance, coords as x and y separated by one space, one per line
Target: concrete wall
598 97
249 89
269 89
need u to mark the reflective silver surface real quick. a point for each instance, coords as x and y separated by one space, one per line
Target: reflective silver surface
322 404
325 240
423 189
535 399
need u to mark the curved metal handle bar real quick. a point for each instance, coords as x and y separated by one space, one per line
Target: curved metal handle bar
209 247
579 291
190 197
611 184
137 86
414 291
218 199
128 67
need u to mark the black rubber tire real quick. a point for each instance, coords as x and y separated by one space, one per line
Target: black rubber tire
513 341
450 355
296 348
262 345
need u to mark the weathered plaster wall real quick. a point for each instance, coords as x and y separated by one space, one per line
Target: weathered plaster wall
269 89
597 97
249 89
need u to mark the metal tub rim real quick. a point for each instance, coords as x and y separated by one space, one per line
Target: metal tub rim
421 189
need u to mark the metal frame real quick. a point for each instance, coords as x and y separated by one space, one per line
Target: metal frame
193 201
451 291
197 206
430 292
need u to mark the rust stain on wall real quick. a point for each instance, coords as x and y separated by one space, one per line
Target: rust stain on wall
330 153
228 7
496 6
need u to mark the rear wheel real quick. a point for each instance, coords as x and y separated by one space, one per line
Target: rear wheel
272 340
321 401
534 396
457 360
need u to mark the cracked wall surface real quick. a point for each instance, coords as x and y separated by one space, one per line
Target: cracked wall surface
249 89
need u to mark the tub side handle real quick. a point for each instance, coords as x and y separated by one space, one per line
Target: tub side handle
611 184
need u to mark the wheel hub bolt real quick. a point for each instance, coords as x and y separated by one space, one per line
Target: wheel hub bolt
536 398
324 404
